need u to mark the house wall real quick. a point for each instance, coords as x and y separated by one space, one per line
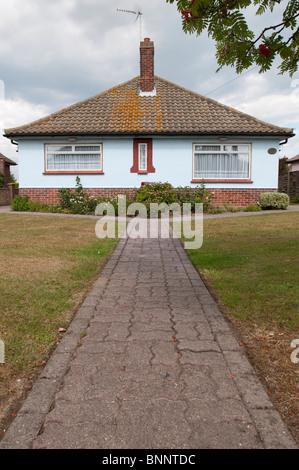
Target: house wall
5 170
295 166
172 159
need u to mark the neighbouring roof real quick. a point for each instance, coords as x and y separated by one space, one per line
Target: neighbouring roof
293 159
173 111
7 160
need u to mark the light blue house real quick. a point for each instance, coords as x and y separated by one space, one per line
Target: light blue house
149 129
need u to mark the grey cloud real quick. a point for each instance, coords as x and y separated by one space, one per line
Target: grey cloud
59 52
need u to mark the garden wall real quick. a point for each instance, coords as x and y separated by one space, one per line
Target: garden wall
4 197
7 194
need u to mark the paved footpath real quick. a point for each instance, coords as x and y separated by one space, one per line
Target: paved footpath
149 362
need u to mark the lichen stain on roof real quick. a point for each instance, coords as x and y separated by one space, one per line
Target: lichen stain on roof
127 112
133 113
158 114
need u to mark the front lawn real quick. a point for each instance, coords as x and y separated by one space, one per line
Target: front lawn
47 265
251 265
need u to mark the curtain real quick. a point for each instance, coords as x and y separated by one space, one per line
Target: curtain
221 165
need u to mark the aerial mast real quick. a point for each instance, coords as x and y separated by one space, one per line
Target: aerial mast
138 17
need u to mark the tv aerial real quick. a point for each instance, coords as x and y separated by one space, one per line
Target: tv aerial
138 17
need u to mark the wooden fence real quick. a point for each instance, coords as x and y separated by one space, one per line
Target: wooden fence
288 182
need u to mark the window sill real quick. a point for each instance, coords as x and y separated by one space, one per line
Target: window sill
220 181
73 172
142 172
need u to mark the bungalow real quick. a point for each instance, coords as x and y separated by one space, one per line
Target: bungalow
148 129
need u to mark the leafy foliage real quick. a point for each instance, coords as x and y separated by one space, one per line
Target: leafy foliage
274 201
236 44
23 204
192 196
166 193
78 201
252 208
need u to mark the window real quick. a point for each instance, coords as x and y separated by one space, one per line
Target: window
221 162
142 157
74 158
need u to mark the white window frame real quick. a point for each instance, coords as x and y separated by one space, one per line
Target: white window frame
139 156
222 151
50 149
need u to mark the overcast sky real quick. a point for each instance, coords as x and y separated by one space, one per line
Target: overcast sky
54 53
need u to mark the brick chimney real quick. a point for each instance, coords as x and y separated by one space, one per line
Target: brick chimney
147 81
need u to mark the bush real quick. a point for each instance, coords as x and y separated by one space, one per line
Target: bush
23 204
165 193
78 201
274 201
196 195
252 208
216 209
156 192
36 206
13 180
20 204
113 200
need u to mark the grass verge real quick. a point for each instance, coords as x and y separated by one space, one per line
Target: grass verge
251 266
47 266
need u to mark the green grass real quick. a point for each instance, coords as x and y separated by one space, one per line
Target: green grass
47 265
253 265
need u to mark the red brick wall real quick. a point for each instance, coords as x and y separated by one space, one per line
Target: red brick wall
234 197
50 195
238 197
147 82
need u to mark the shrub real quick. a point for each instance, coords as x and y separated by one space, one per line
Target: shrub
296 200
1 180
252 208
23 204
36 206
113 200
216 209
165 192
156 192
195 195
13 180
20 203
273 200
78 201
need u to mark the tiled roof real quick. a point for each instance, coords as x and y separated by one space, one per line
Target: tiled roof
173 111
293 159
7 160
